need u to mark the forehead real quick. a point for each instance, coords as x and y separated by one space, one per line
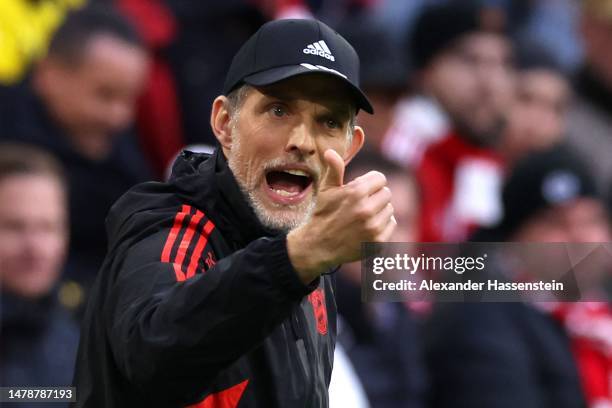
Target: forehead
316 88
22 192
485 43
542 79
105 49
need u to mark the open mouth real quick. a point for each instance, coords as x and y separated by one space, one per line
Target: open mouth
288 186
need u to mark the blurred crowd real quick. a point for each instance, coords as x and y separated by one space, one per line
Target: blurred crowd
493 123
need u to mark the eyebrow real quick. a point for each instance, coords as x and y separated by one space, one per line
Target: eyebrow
334 109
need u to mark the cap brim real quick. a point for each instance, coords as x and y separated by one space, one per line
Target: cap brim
273 75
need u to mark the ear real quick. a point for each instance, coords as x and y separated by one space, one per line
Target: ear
220 122
356 144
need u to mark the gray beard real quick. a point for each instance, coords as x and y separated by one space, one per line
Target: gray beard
275 220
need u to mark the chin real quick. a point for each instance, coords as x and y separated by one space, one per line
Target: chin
282 217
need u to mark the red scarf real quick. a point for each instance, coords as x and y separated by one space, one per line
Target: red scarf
589 327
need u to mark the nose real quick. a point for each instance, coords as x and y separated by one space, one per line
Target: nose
301 140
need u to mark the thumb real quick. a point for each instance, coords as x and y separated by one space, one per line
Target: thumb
334 177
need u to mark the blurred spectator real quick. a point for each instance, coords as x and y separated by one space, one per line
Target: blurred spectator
590 117
528 354
383 76
463 58
209 34
39 338
383 340
78 105
158 115
537 118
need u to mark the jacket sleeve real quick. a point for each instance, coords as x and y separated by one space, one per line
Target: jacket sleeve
170 338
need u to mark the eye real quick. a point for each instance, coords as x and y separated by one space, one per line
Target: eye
332 124
278 110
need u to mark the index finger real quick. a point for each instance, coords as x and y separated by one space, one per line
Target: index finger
371 182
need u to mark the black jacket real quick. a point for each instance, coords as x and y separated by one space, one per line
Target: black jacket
500 355
197 301
38 346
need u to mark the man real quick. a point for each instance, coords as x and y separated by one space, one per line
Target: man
463 56
39 337
530 354
589 119
215 290
383 76
537 118
78 104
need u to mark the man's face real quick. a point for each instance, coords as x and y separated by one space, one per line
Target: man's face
278 140
473 82
33 233
537 117
95 97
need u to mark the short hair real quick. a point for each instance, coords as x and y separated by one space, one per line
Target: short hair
80 26
22 159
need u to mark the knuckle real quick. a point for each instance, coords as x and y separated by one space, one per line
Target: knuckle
363 213
372 228
354 191
380 176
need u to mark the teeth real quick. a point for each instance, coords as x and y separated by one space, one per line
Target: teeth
284 193
297 173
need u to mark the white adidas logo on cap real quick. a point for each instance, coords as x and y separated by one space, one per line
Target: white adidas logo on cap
319 48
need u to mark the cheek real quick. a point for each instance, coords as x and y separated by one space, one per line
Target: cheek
13 246
339 144
54 247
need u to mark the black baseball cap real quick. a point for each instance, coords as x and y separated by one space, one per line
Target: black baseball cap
440 25
282 49
541 180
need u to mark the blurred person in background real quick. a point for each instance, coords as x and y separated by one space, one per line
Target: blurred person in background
39 337
78 104
383 77
537 119
383 340
463 59
530 355
590 116
192 43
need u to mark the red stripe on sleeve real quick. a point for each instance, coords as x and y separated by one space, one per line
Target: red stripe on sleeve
197 253
180 275
184 245
176 228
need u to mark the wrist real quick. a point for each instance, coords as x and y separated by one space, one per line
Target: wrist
303 256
